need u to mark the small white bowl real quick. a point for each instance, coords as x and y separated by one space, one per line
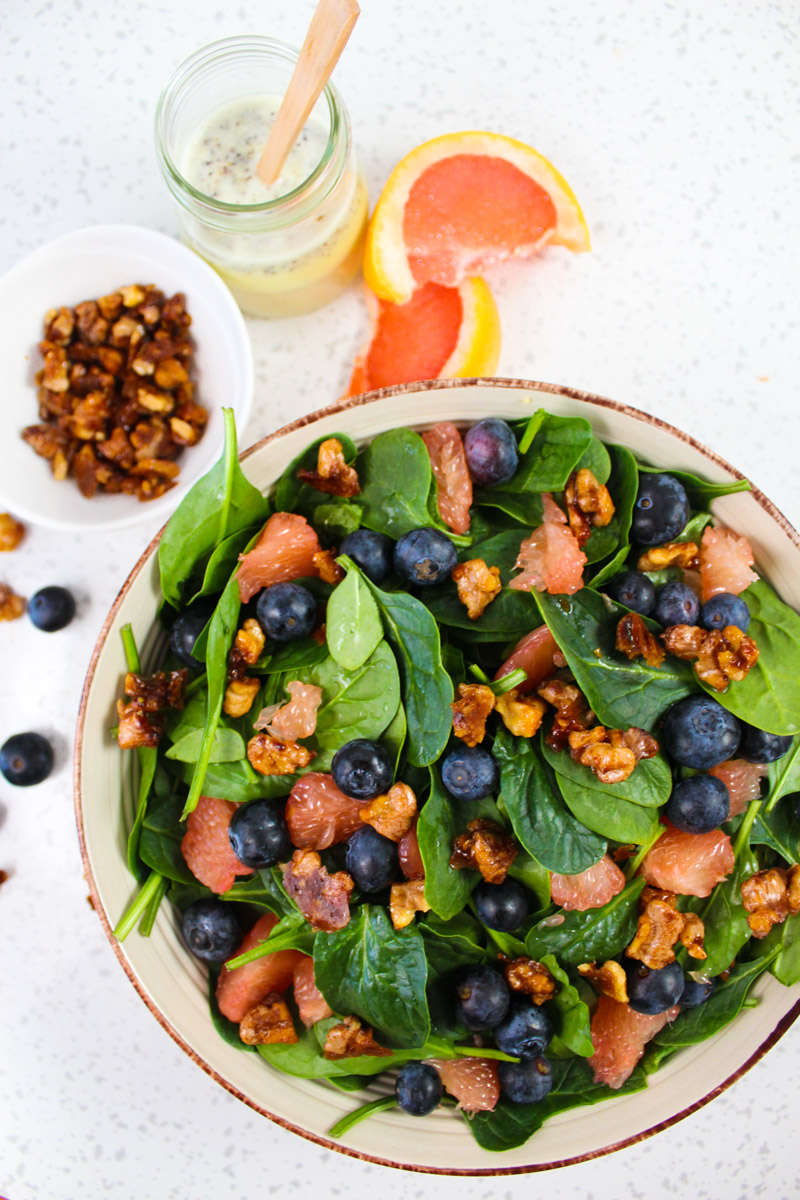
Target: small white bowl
82 266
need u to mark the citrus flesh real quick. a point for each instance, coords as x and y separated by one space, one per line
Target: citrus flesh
318 815
537 654
691 864
725 561
550 559
619 1036
206 848
284 551
472 1082
311 1004
242 988
743 781
589 889
449 463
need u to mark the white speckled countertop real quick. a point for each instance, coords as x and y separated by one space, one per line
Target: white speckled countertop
676 126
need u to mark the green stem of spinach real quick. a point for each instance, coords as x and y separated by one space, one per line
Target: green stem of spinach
360 1114
478 673
531 429
194 685
283 941
633 864
151 912
230 464
509 682
139 905
743 833
129 646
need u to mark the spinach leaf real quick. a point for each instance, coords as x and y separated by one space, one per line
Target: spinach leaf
723 1005
147 757
541 822
291 495
573 1019
237 781
784 942
597 934
784 775
700 491
352 621
264 889
622 692
305 1060
778 829
227 746
227 1030
693 529
446 890
609 816
649 786
378 972
533 875
223 560
336 520
723 914
222 503
355 704
394 735
184 894
623 485
558 445
160 841
596 459
396 482
453 943
510 615
292 656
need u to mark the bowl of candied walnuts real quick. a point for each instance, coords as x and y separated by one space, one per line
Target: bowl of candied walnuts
121 346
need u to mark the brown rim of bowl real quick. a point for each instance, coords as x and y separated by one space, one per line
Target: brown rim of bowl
343 406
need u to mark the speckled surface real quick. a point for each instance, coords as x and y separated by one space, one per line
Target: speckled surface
676 126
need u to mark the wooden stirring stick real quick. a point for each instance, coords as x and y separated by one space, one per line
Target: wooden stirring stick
327 36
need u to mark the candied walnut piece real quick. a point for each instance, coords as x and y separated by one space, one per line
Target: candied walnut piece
136 726
406 899
572 711
692 936
611 754
653 893
609 979
59 324
672 554
54 375
634 639
11 532
239 696
332 475
485 847
642 743
660 926
351 1039
765 899
521 715
269 1023
12 606
725 656
272 756
477 584
329 569
793 889
684 641
323 899
531 978
611 764
169 373
471 710
589 504
158 690
247 648
392 815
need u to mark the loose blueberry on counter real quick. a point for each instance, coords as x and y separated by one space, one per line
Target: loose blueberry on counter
26 758
699 804
634 590
698 732
418 1088
51 608
696 992
370 551
758 746
362 769
525 1030
653 991
725 609
211 930
186 630
470 774
482 998
371 860
286 611
676 604
502 906
661 510
491 451
258 834
525 1082
424 557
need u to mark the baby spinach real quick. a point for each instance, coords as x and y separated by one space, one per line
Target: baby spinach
394 735
227 746
614 539
222 503
446 890
396 482
779 829
527 870
379 973
160 841
352 620
700 491
236 781
723 914
783 941
355 704
336 520
264 889
291 494
649 786
548 459
597 934
596 458
609 816
573 1019
508 618
541 822
725 1003
292 656
784 775
223 561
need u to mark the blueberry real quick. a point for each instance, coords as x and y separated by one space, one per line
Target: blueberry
482 998
424 557
503 906
362 769
653 991
698 732
491 451
758 746
286 611
676 604
258 834
470 773
186 630
525 1030
370 551
211 930
51 608
699 804
26 758
696 992
634 590
418 1088
725 609
371 860
661 510
525 1082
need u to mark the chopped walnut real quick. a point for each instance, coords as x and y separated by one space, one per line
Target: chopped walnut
136 726
391 815
624 852
58 325
793 889
332 475
589 504
485 847
269 1023
531 978
351 1039
612 754
572 711
477 584
660 926
769 897
12 606
653 893
406 899
329 569
272 756
692 936
11 532
642 743
521 715
721 656
634 639
239 696
248 646
672 554
611 764
684 641
471 710
608 980
323 899
140 715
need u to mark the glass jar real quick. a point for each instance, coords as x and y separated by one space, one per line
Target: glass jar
281 256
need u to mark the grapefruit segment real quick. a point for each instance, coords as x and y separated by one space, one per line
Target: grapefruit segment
242 988
550 559
725 561
743 781
472 1081
206 847
454 482
537 654
285 551
411 863
295 719
691 864
619 1036
318 815
589 889
311 1004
